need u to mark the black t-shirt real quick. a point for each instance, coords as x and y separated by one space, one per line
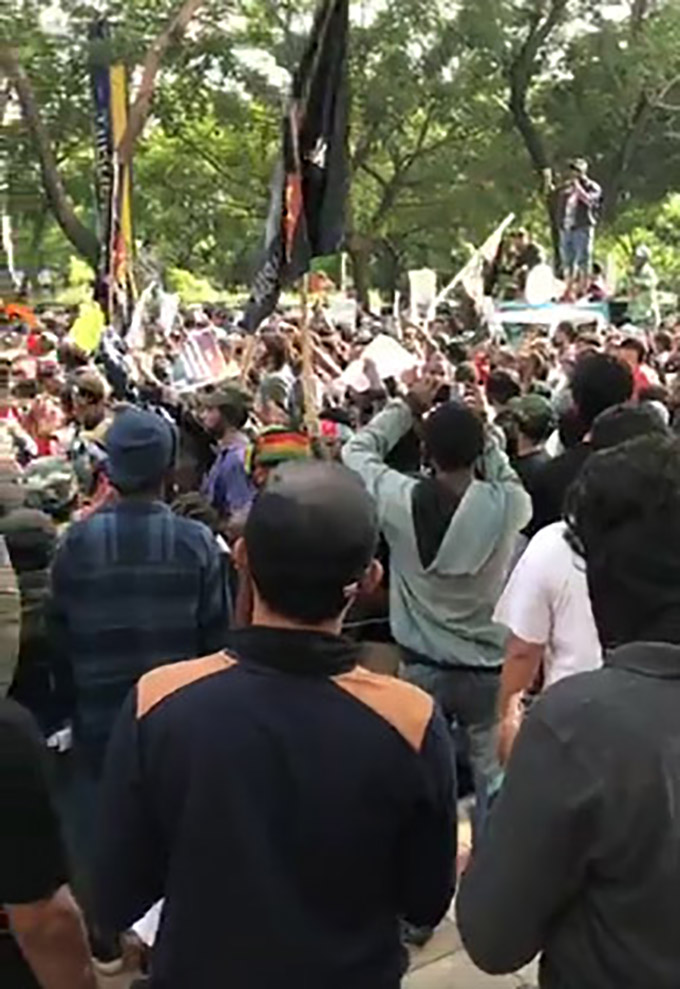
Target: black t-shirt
32 856
433 506
530 466
530 469
550 484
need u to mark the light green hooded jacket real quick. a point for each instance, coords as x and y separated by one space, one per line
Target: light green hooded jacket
444 611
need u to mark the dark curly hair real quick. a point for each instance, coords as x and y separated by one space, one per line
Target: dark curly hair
623 517
599 381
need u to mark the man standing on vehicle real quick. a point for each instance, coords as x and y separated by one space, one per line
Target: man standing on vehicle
578 203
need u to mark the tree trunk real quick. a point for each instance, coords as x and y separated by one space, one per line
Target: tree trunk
139 111
360 255
613 188
519 73
83 239
539 159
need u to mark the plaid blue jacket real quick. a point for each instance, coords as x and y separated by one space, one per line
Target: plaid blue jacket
133 587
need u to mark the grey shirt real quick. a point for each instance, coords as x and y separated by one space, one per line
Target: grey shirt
581 860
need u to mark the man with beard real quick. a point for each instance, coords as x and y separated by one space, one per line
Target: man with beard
226 485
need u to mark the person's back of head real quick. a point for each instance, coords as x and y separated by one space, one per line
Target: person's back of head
599 381
309 544
534 417
565 333
570 428
31 538
466 374
626 422
501 387
454 437
195 507
277 351
663 342
633 351
623 516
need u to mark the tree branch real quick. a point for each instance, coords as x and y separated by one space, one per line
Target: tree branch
139 111
638 14
83 239
420 141
643 113
519 72
380 179
4 100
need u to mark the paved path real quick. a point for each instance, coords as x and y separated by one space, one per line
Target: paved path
442 964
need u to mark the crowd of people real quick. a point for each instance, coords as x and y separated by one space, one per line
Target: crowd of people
255 653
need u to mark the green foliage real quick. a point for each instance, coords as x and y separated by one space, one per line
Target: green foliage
437 156
191 288
656 227
79 283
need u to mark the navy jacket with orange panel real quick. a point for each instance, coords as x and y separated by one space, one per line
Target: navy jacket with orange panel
289 805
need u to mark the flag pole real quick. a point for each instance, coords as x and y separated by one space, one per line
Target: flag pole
308 390
247 359
480 251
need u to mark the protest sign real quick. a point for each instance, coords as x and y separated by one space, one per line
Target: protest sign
343 311
169 309
423 288
87 330
200 361
135 334
389 357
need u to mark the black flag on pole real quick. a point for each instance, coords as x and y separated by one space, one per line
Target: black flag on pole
306 216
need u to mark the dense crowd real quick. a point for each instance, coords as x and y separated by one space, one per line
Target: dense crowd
258 651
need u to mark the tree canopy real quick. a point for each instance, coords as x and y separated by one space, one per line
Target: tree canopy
458 110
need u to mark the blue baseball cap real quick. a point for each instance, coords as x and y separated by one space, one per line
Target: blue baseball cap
140 448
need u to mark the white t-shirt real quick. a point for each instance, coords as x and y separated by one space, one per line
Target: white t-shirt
546 602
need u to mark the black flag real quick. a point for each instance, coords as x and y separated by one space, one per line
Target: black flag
306 216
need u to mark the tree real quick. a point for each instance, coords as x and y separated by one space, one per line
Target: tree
83 238
569 67
457 111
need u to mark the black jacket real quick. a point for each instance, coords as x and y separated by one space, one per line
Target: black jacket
587 213
289 805
582 858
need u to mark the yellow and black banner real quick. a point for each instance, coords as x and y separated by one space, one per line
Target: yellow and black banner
113 180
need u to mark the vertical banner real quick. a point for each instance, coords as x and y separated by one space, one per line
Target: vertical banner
113 181
122 253
309 189
121 250
100 79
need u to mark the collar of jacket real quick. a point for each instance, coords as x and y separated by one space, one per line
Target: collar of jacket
657 659
293 651
138 506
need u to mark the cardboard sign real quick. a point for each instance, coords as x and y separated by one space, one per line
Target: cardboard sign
389 357
169 308
135 334
343 311
200 361
423 288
